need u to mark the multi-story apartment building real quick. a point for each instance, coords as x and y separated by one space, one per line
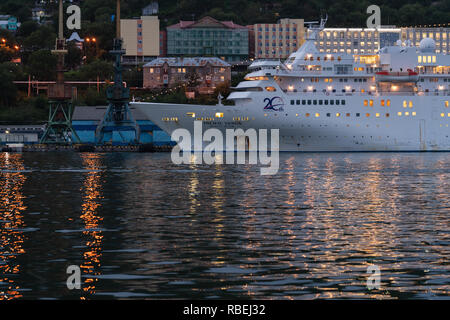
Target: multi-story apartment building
278 41
208 37
203 73
141 38
440 35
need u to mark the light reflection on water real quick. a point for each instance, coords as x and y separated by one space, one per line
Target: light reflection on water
140 227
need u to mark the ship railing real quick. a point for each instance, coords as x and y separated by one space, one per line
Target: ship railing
295 92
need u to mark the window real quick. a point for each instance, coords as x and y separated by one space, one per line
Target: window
219 115
303 102
271 89
292 102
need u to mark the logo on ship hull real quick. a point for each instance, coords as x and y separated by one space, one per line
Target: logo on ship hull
275 104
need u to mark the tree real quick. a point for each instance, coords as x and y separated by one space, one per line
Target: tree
74 56
42 65
8 90
43 38
27 28
6 54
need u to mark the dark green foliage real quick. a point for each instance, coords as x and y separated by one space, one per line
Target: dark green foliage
8 91
94 98
42 65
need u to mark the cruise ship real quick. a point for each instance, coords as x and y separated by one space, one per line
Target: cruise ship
395 100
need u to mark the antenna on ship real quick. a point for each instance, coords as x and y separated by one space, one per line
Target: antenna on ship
118 116
315 27
59 126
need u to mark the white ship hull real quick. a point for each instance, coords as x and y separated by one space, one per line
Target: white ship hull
322 128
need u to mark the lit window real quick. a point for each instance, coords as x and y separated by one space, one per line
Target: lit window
307 115
382 103
365 103
405 104
219 115
371 102
338 114
410 104
271 89
399 114
377 115
414 114
406 113
442 115
190 114
317 115
434 59
367 115
388 103
419 58
152 70
446 104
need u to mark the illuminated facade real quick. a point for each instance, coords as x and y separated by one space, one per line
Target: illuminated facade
356 40
278 41
141 39
441 37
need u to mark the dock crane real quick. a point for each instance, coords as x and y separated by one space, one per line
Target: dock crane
59 128
118 117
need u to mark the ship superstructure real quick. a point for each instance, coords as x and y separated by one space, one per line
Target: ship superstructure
395 100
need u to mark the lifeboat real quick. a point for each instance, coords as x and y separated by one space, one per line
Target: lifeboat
386 76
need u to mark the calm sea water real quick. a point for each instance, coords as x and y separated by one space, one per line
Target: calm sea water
141 227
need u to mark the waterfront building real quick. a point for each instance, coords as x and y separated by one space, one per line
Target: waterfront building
169 72
278 41
140 38
26 134
208 37
9 22
85 121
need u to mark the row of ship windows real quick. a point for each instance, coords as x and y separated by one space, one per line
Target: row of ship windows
320 102
370 102
368 115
